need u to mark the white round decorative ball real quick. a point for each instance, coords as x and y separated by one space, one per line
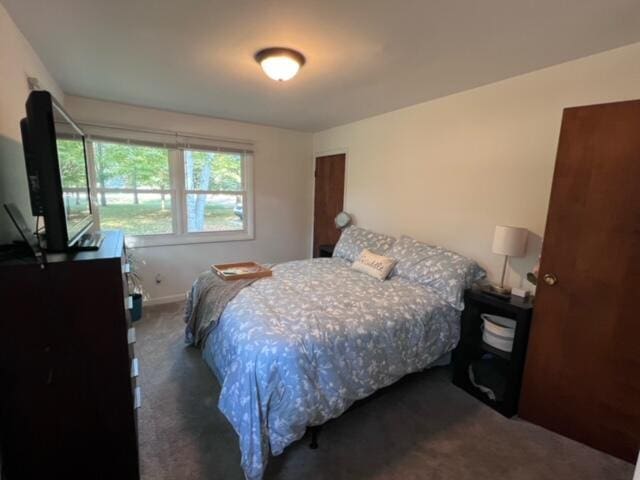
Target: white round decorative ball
342 220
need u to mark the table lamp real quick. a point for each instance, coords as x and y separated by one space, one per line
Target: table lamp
510 242
342 220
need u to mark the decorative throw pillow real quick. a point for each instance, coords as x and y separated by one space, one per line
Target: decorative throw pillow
355 239
445 272
378 266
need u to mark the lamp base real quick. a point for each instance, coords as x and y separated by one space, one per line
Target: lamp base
496 291
501 290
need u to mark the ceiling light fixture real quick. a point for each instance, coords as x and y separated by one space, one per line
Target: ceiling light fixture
280 64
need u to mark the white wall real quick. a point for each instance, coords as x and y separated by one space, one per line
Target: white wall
282 193
17 62
447 171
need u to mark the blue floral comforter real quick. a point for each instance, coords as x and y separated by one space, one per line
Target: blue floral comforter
298 348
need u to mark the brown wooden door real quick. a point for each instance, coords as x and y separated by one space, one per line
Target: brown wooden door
329 196
582 375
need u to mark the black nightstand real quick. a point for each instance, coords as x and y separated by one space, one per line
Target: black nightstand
506 367
325 250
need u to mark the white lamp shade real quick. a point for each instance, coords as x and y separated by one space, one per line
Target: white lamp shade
510 241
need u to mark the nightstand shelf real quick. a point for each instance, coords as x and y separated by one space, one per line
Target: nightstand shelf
505 367
485 347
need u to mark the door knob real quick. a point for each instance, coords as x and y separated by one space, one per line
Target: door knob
550 279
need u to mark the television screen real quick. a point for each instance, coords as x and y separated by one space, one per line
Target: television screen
73 173
56 164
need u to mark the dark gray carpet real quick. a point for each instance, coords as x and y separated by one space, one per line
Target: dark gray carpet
422 428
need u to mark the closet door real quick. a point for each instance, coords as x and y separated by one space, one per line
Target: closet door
582 374
329 196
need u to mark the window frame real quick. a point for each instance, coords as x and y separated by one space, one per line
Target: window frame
178 192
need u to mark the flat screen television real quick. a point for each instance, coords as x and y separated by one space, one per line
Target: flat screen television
56 160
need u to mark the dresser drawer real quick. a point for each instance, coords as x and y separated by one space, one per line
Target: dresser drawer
135 367
137 398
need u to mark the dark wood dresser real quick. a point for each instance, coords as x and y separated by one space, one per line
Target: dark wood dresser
68 393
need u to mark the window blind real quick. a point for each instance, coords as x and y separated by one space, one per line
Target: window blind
164 139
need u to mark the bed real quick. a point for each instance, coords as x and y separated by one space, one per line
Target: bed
297 349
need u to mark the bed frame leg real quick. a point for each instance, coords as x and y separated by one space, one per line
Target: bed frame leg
314 437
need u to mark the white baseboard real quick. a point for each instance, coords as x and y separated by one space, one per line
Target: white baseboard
168 299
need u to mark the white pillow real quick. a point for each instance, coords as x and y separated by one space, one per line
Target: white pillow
354 240
378 266
445 272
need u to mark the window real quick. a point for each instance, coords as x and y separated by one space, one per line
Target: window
133 188
74 178
215 194
160 195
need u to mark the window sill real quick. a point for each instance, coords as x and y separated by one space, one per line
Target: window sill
144 241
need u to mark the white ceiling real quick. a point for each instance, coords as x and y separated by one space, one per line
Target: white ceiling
364 57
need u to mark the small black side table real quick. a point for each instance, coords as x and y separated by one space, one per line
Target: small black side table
508 365
325 250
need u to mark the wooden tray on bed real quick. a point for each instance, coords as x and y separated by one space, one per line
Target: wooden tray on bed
236 271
